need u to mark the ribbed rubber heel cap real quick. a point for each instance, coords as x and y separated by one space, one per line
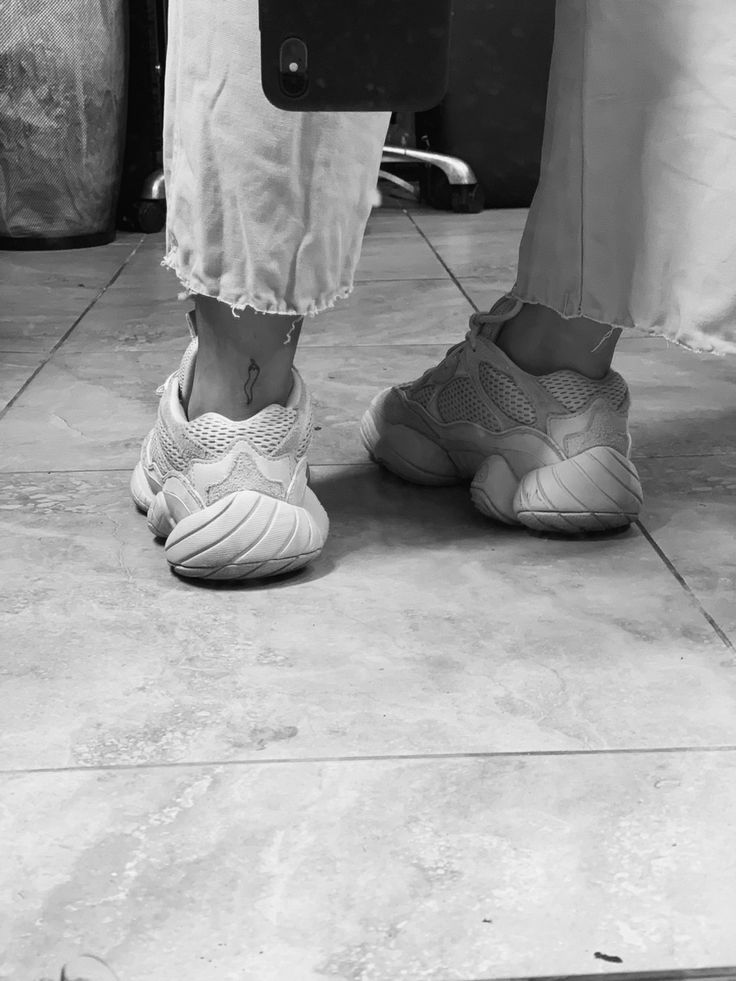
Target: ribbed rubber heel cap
597 490
248 535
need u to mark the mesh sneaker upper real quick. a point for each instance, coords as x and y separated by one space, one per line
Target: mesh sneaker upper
270 434
458 401
503 390
574 390
477 384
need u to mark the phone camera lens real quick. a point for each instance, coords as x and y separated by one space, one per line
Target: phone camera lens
293 61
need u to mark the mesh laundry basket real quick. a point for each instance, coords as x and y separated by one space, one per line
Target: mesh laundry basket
63 103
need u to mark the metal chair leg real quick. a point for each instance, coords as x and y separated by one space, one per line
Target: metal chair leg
456 186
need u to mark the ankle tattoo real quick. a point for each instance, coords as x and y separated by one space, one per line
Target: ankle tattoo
253 373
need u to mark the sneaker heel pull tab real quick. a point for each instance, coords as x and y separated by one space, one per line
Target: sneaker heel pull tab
192 323
507 307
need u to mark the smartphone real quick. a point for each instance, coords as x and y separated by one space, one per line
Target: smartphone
355 55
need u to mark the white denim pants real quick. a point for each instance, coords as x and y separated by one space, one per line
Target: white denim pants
633 223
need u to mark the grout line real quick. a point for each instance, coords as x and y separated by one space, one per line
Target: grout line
374 758
450 273
676 974
35 354
723 636
73 327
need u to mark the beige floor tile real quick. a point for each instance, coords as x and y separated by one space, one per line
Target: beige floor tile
84 412
392 217
381 870
399 312
390 253
430 311
145 278
44 293
691 515
91 268
423 628
683 403
445 225
129 321
484 291
484 245
90 410
423 311
423 631
15 370
34 318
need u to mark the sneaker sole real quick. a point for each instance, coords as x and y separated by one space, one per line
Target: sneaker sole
597 490
245 535
408 454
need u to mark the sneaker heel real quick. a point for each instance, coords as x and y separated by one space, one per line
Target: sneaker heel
408 454
597 490
141 490
493 488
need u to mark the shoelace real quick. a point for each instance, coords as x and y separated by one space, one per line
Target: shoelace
478 323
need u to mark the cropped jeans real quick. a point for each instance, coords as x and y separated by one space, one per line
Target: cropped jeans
633 223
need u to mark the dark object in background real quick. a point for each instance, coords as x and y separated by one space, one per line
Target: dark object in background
62 121
144 143
493 114
342 56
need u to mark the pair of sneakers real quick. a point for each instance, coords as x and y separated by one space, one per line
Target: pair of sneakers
549 452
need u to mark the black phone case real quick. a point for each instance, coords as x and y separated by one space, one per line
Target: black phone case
355 55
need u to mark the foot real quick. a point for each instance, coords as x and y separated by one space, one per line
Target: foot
230 498
551 452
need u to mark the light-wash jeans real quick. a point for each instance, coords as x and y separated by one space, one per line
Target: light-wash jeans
633 223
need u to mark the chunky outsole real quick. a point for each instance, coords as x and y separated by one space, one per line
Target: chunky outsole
245 535
597 490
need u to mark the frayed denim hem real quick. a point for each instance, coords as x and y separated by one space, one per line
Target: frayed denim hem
697 343
243 302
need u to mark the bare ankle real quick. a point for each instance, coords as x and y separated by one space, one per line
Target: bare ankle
243 364
540 341
233 397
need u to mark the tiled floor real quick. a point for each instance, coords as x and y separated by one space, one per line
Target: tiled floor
449 750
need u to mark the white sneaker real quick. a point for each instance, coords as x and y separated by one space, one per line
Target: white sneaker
230 498
550 452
